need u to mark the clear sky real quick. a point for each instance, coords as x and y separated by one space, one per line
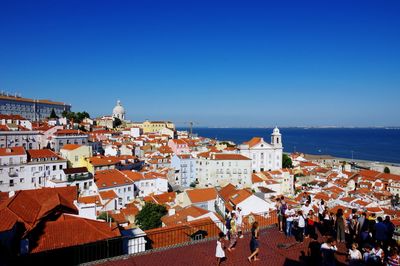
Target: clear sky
227 63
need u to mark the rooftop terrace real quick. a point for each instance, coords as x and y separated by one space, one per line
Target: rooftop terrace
203 253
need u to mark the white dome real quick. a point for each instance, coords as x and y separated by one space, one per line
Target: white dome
119 110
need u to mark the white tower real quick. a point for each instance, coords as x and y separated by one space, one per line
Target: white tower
276 138
119 111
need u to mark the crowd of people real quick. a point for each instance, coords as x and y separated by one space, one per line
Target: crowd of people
368 238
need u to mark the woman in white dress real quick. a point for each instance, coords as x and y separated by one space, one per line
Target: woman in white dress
219 251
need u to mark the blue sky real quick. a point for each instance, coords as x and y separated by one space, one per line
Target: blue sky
227 63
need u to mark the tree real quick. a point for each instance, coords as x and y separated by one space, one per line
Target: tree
286 161
386 170
53 114
104 216
150 216
117 122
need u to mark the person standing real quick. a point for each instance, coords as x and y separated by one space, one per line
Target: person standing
280 215
340 226
381 231
233 233
328 250
239 222
219 250
355 256
301 223
254 245
321 210
289 215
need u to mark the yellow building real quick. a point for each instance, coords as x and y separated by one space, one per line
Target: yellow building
153 126
74 154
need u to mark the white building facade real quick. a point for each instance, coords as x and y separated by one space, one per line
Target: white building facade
265 156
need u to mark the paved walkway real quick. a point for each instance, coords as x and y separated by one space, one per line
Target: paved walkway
204 253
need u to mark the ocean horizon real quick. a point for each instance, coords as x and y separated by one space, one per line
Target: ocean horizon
381 144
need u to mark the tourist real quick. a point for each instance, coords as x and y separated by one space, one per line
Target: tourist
282 211
289 215
219 251
367 253
353 225
300 225
326 226
328 250
233 233
280 215
321 210
340 226
355 256
381 231
228 225
390 228
394 258
377 254
254 245
239 222
306 210
311 223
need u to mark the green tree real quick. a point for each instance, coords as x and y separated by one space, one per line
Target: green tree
386 170
286 161
117 122
53 114
104 216
150 216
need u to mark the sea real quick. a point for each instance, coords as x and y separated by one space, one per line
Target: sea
372 144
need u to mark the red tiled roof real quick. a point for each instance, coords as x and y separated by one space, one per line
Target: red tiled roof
109 194
219 156
71 147
253 142
14 151
30 206
71 231
202 194
173 235
45 153
181 216
111 178
161 198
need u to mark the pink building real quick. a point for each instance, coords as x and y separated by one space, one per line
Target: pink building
179 146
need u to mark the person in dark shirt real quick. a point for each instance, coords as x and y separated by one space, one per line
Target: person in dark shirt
381 231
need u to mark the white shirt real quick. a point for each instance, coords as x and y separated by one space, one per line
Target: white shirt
355 254
289 215
239 218
306 210
326 246
321 208
302 223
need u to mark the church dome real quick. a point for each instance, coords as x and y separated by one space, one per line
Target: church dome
119 110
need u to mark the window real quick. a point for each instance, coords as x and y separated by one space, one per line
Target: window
54 167
61 167
76 158
21 180
11 183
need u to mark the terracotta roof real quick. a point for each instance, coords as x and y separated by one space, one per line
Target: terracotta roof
45 153
228 156
181 216
14 151
240 196
111 178
226 191
69 132
90 200
161 198
71 147
254 141
134 176
103 160
30 206
173 235
108 194
68 230
20 99
202 194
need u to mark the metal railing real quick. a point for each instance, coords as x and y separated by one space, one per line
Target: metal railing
188 233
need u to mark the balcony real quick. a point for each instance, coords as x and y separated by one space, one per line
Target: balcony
79 177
